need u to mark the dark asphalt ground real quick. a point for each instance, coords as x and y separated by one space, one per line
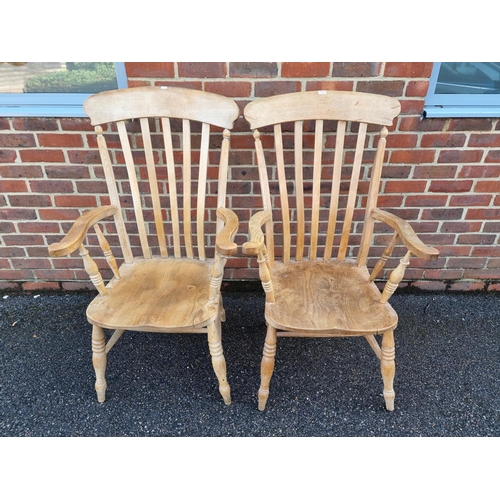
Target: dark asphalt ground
447 375
447 385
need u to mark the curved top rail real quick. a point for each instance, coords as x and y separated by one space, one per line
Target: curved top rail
322 105
171 102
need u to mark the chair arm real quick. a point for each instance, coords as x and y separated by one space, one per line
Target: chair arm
224 243
407 235
79 230
256 243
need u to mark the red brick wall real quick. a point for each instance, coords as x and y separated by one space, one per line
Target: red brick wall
442 175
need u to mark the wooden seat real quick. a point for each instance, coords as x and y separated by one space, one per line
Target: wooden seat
320 157
166 172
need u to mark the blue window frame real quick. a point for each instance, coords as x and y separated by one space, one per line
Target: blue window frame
55 89
463 89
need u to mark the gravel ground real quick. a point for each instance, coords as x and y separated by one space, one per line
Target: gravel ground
447 375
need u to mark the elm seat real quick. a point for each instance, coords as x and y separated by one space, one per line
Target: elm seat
153 293
327 297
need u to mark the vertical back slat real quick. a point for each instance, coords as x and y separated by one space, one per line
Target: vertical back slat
172 186
202 187
334 198
266 195
153 184
299 189
223 174
318 149
353 188
136 197
186 180
285 211
372 198
113 196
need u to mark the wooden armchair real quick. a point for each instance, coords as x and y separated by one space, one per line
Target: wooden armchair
313 266
156 172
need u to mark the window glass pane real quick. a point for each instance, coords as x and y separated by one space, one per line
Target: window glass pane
57 77
468 78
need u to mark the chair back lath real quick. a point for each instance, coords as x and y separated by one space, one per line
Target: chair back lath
322 142
158 140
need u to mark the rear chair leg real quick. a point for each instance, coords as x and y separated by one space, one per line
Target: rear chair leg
99 361
267 366
388 368
218 360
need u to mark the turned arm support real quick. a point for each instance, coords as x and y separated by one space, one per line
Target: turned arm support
256 246
406 234
78 231
224 242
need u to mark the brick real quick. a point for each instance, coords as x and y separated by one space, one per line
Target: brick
422 200
25 171
13 186
229 89
460 156
55 274
4 124
408 69
17 140
461 227
469 200
486 251
392 88
51 186
150 69
91 187
29 200
39 227
266 89
17 214
60 140
467 286
35 124
23 239
417 88
42 155
405 186
356 69
67 172
72 286
482 274
493 156
442 140
471 124
453 186
479 171
435 171
202 69
330 85
412 156
476 239
466 262
87 157
412 106
429 285
442 213
305 69
75 201
7 156
40 286
414 123
253 70
7 227
402 141
16 274
31 263
484 140
483 213
443 274
490 186
76 124
58 214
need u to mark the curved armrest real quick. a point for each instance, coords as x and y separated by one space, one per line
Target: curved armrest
254 246
224 243
78 231
407 235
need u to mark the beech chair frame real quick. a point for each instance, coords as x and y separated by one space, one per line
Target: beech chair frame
177 291
310 291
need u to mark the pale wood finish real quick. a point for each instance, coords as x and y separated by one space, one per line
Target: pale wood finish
322 287
169 281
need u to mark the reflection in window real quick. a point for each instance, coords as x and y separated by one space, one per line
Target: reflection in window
468 78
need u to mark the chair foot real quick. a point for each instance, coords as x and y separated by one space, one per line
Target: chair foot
225 392
267 366
263 395
99 359
388 369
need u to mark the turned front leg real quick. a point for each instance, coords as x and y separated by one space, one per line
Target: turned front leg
218 360
267 366
99 361
388 368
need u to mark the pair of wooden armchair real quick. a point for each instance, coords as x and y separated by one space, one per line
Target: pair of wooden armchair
160 151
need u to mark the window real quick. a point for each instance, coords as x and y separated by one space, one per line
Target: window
55 89
463 89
